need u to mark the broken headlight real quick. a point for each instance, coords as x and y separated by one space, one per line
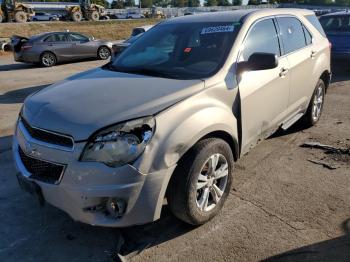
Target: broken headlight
120 144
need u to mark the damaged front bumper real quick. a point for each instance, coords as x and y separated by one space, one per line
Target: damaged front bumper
87 190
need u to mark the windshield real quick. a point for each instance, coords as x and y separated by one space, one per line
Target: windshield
181 50
336 24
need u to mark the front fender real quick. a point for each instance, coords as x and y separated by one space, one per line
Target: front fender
181 126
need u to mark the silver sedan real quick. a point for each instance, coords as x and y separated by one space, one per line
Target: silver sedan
54 47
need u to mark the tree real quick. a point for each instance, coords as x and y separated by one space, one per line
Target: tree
117 4
129 3
193 3
253 2
237 2
180 3
146 3
210 3
223 3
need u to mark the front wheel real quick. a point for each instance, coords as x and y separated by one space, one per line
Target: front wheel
103 53
201 181
315 108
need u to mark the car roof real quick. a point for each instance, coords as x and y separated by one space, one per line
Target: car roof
237 15
341 13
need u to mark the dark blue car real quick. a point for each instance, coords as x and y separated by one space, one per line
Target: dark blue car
337 29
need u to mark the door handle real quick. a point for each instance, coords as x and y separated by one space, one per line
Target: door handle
283 72
313 54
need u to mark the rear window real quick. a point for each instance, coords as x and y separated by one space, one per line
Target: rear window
336 24
314 21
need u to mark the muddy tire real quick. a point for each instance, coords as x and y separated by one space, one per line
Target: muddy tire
21 17
77 16
315 108
94 16
48 59
103 53
201 181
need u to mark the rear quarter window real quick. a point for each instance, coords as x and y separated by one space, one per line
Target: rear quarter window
314 21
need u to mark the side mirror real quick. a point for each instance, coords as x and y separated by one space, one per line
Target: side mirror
258 61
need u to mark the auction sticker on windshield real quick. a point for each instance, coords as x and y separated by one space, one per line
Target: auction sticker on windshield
217 29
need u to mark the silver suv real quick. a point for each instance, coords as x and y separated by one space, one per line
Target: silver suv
170 116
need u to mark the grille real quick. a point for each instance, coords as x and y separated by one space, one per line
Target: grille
42 170
47 136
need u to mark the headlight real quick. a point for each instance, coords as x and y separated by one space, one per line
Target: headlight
120 144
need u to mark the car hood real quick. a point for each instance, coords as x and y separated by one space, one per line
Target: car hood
84 103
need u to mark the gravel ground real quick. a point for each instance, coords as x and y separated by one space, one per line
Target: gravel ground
283 206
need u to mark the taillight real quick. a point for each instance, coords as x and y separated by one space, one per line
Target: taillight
330 45
26 47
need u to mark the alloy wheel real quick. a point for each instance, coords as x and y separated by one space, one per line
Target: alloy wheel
317 103
104 53
212 181
48 59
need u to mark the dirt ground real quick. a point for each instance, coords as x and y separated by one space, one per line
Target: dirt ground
109 30
285 203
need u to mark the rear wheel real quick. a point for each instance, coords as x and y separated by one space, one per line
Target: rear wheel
77 16
21 17
48 59
94 16
315 108
103 53
201 182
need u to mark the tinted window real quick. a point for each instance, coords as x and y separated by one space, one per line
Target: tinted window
314 21
78 37
180 50
56 38
261 38
292 34
334 24
308 36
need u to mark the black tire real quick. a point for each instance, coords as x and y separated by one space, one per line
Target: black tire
182 192
103 53
20 17
48 59
94 16
77 16
310 117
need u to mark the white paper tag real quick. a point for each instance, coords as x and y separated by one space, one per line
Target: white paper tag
218 29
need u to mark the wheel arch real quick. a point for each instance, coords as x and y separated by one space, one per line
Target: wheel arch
326 77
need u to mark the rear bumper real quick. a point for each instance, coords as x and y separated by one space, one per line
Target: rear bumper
28 57
86 187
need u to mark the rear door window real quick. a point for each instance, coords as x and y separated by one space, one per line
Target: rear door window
336 24
56 38
262 38
292 34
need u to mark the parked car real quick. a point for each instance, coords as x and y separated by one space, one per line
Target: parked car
337 29
171 115
51 48
130 15
140 30
44 17
118 48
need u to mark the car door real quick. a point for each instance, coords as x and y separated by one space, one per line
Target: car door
58 44
263 93
81 46
301 54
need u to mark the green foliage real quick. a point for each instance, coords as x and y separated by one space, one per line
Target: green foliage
253 2
129 3
146 3
193 3
237 2
180 3
117 4
210 3
223 3
161 3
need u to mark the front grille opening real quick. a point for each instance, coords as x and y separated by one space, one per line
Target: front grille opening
47 136
41 170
